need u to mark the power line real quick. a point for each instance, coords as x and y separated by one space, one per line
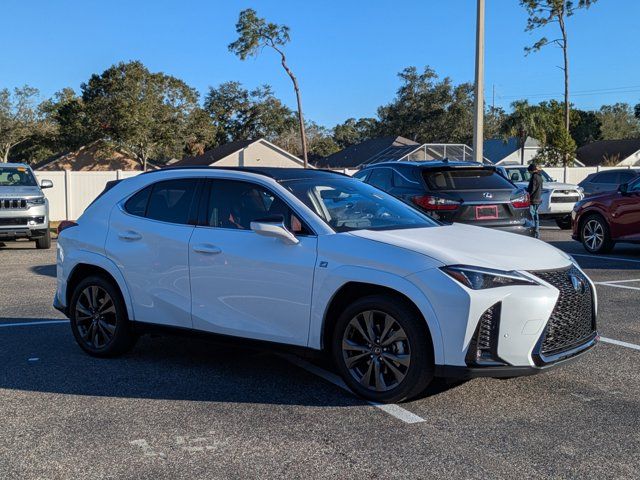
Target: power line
628 89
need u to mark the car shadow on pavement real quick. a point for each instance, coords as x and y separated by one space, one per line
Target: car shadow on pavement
162 368
45 270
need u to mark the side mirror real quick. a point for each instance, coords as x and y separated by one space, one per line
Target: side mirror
274 227
624 188
46 183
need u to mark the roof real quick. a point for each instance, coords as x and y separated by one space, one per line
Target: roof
13 165
431 164
99 155
372 150
279 174
597 153
496 149
215 154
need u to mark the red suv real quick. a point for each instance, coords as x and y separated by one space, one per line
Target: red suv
602 220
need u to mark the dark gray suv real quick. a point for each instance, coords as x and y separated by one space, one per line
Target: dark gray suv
607 180
463 192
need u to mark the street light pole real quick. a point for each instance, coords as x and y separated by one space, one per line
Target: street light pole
478 120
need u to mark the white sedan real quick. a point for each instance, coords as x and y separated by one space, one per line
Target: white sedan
319 260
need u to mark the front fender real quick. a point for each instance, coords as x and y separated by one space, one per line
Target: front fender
68 261
328 283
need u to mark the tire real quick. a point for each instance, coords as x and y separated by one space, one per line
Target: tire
595 234
396 381
44 243
564 223
106 335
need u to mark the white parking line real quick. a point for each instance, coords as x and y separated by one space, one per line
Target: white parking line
598 257
394 410
25 324
622 281
620 343
611 284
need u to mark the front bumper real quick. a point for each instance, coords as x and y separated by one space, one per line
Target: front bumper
508 371
30 223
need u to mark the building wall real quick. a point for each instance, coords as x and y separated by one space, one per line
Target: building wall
259 155
529 154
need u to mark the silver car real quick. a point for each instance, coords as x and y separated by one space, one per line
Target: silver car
24 210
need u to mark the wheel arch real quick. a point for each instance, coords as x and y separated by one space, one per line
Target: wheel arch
592 212
351 290
98 265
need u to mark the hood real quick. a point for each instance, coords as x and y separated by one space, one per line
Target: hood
478 246
551 185
11 192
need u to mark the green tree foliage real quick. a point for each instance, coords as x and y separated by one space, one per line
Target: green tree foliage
353 131
254 34
586 127
21 118
321 143
524 121
66 111
618 122
147 113
427 109
240 114
493 120
543 13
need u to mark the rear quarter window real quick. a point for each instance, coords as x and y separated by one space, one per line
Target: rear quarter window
466 179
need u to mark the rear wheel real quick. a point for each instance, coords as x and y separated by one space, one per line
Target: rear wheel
99 318
564 223
382 349
44 243
595 235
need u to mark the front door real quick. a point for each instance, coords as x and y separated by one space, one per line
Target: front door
626 214
244 284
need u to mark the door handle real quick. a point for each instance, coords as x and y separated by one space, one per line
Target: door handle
129 235
207 248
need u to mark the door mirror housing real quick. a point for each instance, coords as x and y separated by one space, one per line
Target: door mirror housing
274 227
46 183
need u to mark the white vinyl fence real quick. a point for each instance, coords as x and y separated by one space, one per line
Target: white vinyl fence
73 191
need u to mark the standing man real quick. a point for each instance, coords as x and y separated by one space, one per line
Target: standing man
535 195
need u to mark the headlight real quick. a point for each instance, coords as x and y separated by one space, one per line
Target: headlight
478 278
36 201
580 189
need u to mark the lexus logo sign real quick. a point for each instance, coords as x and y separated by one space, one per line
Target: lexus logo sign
487 195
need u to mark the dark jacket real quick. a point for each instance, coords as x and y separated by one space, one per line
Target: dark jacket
535 188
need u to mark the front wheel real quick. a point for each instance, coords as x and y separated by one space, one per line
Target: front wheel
564 223
382 349
99 318
44 242
595 235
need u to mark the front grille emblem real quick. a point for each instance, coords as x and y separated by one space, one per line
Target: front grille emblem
578 284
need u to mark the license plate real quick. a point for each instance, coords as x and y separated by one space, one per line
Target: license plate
486 212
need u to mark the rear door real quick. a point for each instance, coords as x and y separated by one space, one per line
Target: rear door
149 241
605 182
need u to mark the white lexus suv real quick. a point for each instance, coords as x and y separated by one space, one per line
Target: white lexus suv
316 259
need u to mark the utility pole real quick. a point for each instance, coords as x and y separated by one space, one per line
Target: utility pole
478 123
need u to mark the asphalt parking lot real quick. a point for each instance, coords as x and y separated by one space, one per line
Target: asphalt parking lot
181 408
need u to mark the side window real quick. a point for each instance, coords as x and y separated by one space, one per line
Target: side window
515 176
171 200
137 205
361 175
626 177
235 204
402 181
606 177
381 178
634 186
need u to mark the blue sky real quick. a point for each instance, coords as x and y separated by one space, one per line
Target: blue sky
346 53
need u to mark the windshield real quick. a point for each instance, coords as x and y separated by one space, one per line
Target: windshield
465 179
523 175
347 204
16 177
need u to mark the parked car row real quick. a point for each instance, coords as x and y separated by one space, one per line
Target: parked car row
326 262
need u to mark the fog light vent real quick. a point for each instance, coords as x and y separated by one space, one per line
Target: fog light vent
483 348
